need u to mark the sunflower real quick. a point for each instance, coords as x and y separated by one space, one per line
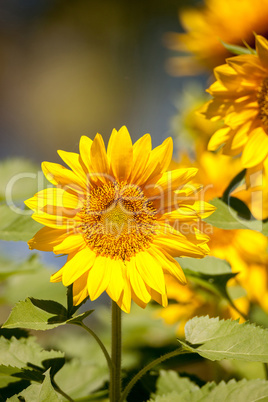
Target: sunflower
118 215
245 250
241 100
254 192
193 300
231 21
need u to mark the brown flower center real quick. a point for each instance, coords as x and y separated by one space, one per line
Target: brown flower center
118 220
262 97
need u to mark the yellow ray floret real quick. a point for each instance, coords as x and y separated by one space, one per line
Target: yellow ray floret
240 99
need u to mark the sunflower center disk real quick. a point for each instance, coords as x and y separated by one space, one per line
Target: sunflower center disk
118 220
262 97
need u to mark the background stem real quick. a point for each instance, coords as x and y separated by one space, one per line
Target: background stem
103 348
147 368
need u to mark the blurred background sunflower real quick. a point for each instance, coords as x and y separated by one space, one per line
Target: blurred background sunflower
209 23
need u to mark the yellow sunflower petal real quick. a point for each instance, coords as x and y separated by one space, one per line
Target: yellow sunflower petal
262 49
120 146
46 239
241 136
57 277
169 264
137 300
110 144
137 282
169 181
98 277
150 270
84 148
80 292
239 117
159 160
73 160
159 298
54 221
219 138
141 153
54 196
178 247
98 158
116 284
124 301
59 175
77 264
256 148
70 244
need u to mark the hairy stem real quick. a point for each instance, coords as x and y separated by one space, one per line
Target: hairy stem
115 381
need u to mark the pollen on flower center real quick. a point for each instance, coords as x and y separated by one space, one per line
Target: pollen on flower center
118 220
262 97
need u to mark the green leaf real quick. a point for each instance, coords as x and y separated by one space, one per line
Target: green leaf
173 388
16 227
209 272
238 180
235 49
6 375
80 378
21 352
208 265
40 315
47 392
217 339
225 217
169 381
36 314
38 392
24 359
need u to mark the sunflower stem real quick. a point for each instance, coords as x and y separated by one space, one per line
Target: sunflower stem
149 366
115 376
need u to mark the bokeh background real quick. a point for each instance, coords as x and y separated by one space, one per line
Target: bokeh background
72 68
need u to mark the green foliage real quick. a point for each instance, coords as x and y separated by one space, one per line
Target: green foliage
217 339
237 50
41 315
226 217
81 377
38 392
173 388
16 352
16 227
210 272
206 266
24 359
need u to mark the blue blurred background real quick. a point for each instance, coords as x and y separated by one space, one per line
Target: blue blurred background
72 68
